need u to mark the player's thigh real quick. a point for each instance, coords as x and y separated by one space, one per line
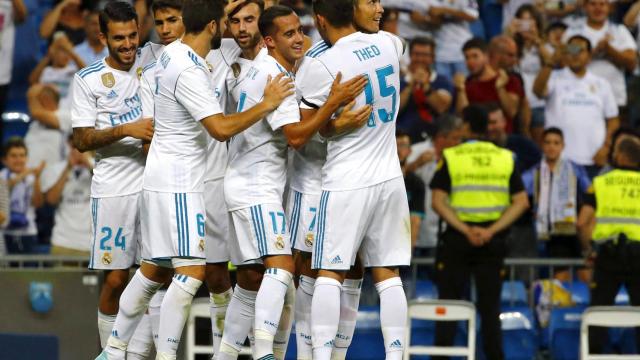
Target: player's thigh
388 239
302 213
258 231
217 222
115 232
342 220
173 224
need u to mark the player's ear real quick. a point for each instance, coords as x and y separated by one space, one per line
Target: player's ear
212 26
103 38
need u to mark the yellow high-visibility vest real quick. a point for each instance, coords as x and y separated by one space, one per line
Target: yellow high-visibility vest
617 205
480 173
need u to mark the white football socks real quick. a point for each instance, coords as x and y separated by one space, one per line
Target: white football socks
349 301
174 312
141 343
325 315
154 313
105 325
281 340
269 304
304 295
393 316
237 323
219 304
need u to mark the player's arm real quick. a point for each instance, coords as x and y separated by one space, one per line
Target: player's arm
300 133
348 120
37 111
88 138
222 127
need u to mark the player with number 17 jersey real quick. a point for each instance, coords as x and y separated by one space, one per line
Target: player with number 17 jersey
362 175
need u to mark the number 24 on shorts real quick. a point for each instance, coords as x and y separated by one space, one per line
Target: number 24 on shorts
119 240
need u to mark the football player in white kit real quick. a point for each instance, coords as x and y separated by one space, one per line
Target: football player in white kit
256 174
361 177
305 189
106 113
173 220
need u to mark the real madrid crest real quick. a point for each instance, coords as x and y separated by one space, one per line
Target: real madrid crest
309 240
279 243
139 72
106 258
235 67
201 245
108 80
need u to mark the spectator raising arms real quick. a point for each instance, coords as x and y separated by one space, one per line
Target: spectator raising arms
67 17
56 68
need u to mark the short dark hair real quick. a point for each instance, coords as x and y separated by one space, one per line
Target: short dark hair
490 107
630 148
556 25
266 21
116 11
421 40
166 4
402 133
339 13
475 43
260 4
13 142
477 118
553 130
447 123
196 14
582 38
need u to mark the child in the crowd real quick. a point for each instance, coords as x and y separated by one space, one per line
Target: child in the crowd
21 234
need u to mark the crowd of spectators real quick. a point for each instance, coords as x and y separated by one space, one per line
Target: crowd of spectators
558 78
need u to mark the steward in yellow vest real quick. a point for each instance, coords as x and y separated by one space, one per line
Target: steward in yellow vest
478 192
612 210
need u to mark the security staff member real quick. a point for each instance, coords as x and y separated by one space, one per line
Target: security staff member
478 192
612 209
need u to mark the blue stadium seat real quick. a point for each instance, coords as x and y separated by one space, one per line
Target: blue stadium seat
580 292
623 297
513 293
520 341
564 332
28 346
425 290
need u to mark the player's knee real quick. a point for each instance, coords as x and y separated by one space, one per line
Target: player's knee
217 276
250 277
115 281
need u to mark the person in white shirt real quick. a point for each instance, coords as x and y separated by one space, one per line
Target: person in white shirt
614 49
413 17
67 185
173 214
361 177
453 17
579 103
105 117
12 12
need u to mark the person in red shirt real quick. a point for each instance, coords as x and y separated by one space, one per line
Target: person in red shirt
486 84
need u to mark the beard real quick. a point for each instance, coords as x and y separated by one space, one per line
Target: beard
115 54
216 42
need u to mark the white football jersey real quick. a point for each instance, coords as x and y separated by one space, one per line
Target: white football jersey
305 169
147 54
220 61
104 97
182 97
366 156
256 173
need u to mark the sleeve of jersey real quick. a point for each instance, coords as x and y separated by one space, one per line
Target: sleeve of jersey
146 95
83 107
313 82
194 92
398 43
287 113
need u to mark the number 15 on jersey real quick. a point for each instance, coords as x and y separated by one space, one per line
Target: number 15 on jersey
384 91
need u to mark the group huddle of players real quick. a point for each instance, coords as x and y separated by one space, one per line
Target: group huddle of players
263 151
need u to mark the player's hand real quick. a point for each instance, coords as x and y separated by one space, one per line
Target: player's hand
351 119
232 5
278 89
502 79
141 129
346 92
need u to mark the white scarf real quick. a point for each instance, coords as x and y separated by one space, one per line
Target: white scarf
556 198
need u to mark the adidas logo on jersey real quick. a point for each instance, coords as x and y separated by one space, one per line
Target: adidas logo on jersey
396 344
336 260
112 94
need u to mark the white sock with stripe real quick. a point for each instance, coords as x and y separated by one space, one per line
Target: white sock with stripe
133 304
219 304
325 315
174 312
269 303
349 301
281 340
237 323
304 295
393 316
